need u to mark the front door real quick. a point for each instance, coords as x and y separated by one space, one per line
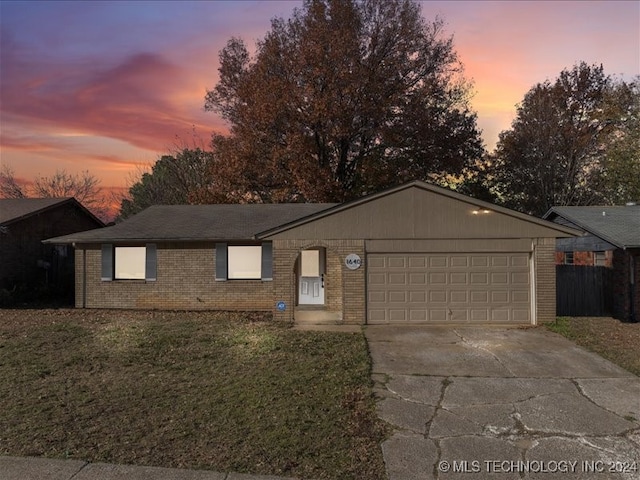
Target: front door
311 278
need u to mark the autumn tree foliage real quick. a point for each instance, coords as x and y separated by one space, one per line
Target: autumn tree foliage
345 98
574 142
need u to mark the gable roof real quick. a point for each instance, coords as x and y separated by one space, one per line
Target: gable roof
420 219
16 209
618 225
197 223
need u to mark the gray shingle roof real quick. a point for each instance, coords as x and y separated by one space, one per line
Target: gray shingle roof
12 209
618 225
197 223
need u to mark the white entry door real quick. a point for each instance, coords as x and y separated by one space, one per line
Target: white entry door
311 283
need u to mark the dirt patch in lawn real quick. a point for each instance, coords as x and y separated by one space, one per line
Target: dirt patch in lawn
612 339
216 391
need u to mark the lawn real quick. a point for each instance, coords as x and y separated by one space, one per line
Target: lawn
614 340
216 391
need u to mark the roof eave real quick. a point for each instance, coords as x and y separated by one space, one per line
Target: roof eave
93 241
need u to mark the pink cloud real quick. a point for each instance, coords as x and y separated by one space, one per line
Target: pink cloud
130 101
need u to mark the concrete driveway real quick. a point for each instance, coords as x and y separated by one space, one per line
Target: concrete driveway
484 402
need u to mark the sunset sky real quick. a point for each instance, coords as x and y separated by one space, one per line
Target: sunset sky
108 87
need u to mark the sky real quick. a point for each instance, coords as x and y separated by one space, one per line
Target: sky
110 86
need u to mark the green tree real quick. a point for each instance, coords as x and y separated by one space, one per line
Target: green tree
555 152
621 170
173 180
344 98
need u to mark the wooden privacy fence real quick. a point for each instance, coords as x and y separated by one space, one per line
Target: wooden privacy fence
583 291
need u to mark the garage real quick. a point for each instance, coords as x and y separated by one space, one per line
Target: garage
449 288
423 254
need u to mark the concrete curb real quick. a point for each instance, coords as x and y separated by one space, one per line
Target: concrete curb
36 468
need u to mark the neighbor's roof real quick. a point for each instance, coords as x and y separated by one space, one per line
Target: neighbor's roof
197 223
618 225
16 209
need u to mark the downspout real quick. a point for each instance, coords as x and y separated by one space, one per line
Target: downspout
632 269
84 278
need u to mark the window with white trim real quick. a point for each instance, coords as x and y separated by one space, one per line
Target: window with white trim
568 258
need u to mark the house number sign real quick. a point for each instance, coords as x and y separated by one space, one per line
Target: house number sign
353 261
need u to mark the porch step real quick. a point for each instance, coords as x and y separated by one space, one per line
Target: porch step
317 317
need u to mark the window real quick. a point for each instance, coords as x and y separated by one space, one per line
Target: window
128 263
600 259
568 258
310 263
243 262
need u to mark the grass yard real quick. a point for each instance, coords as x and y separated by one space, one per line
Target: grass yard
612 339
216 391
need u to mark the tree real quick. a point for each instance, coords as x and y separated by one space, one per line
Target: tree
345 98
83 187
9 186
555 151
622 159
173 180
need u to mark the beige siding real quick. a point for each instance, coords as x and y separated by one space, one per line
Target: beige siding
450 245
416 213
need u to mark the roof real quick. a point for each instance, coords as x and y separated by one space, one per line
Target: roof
197 223
618 225
560 230
15 209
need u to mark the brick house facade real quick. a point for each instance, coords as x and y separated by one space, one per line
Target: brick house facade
414 253
610 238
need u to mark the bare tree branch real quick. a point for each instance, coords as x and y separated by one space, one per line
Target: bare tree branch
9 187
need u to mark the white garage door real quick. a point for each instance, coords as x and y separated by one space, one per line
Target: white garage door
448 288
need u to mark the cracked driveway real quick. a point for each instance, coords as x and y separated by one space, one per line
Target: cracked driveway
490 402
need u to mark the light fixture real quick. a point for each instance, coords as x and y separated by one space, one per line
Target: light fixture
478 211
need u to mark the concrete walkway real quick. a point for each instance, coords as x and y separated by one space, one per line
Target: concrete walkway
489 402
19 468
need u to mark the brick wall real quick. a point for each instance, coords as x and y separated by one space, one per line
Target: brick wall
185 281
344 288
545 280
585 258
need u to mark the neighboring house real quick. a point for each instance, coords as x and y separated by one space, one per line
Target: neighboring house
611 238
413 253
25 262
